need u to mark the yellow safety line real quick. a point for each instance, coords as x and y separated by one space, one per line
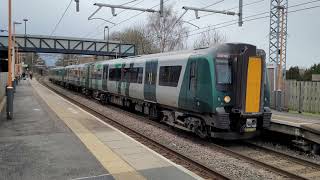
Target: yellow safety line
108 159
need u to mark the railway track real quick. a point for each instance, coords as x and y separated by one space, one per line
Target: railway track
285 164
170 154
280 163
295 165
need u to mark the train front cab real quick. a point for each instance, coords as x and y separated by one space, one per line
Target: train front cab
240 90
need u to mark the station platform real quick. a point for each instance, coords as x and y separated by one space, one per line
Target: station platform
305 126
51 138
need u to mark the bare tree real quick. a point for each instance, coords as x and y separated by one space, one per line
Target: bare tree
167 32
137 35
209 38
67 59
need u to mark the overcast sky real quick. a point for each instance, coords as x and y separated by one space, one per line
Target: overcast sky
303 27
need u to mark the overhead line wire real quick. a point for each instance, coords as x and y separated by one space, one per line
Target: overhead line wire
248 4
136 15
307 8
258 14
215 3
300 4
225 10
64 13
257 18
254 15
235 21
88 34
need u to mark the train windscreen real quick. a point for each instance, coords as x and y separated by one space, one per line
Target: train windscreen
223 71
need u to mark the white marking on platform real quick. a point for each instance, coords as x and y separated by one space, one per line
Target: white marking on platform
89 177
73 110
36 109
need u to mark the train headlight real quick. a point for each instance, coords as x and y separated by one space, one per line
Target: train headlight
227 99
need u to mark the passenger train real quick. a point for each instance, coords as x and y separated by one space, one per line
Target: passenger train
220 92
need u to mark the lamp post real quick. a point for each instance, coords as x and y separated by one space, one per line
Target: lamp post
9 81
25 26
104 33
15 52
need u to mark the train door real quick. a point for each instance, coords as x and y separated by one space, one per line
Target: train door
121 81
83 76
97 75
105 77
64 76
87 71
127 79
193 76
91 69
196 92
78 76
68 75
150 80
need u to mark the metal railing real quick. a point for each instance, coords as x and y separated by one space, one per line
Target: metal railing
66 45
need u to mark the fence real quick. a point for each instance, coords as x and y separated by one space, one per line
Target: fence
302 96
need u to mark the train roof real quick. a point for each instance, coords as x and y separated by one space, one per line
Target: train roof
174 54
196 51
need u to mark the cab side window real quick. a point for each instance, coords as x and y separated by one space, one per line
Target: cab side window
193 76
115 74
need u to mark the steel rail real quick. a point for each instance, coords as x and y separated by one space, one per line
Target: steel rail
256 162
295 159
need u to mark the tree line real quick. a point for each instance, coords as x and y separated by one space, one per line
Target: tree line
295 73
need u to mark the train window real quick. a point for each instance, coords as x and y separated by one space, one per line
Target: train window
133 75
223 71
122 74
98 74
169 75
136 75
193 78
125 72
105 72
115 74
140 75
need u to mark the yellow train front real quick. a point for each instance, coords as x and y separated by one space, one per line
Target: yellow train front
243 97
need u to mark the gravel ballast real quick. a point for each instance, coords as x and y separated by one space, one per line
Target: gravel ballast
293 152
